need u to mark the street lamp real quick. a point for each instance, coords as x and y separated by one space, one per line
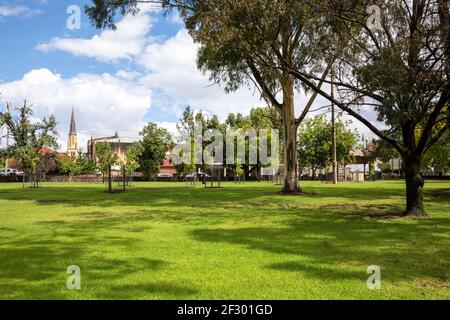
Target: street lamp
6 137
204 119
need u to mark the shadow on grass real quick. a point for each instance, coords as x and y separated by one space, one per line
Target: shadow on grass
332 247
319 241
176 196
33 266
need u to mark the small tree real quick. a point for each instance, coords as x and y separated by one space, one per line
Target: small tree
29 139
156 142
315 143
131 162
68 166
85 164
105 160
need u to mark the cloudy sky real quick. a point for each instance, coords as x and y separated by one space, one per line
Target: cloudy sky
116 81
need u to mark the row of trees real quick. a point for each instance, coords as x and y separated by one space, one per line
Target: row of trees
259 118
314 144
33 145
145 156
398 66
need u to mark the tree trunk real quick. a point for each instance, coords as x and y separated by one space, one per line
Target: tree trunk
414 188
124 178
109 180
291 184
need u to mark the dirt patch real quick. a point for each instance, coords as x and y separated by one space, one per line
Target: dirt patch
116 191
343 206
372 212
385 216
440 193
296 193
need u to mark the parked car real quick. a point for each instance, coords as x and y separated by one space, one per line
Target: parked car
165 175
19 173
199 175
8 172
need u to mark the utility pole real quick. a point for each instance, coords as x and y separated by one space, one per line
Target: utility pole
333 133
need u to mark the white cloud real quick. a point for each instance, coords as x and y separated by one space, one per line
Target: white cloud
170 126
126 42
103 103
172 69
128 75
17 11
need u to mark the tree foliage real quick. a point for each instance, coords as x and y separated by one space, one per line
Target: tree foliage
29 139
155 144
315 143
242 43
400 70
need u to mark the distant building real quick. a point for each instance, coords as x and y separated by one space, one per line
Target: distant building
72 141
168 166
119 148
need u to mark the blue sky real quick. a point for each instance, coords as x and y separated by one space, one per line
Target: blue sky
116 81
155 69
46 19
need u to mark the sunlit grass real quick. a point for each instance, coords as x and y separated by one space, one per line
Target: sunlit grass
244 241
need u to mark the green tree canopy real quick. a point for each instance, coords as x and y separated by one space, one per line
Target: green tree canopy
156 142
315 143
29 138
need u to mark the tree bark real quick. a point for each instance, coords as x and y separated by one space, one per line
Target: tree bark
414 188
109 180
124 178
291 183
290 126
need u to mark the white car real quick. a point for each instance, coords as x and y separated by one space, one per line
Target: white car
8 172
19 173
165 175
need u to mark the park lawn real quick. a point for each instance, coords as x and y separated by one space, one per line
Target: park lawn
244 241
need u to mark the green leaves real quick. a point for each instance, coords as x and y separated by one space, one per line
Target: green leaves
29 138
156 142
315 143
105 157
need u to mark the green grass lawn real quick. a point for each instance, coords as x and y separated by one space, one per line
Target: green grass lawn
169 241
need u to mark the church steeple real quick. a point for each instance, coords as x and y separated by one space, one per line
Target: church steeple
73 128
72 143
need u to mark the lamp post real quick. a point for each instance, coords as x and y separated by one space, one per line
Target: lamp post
7 141
204 119
333 134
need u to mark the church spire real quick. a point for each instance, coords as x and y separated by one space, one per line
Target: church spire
73 128
72 143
